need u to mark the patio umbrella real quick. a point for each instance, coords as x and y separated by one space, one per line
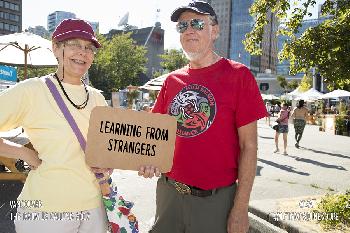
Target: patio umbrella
155 84
27 50
336 94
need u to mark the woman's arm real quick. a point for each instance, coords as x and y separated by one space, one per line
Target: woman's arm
15 151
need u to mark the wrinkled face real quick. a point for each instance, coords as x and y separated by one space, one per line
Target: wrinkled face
76 55
197 43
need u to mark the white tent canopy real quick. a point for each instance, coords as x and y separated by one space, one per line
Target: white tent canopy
310 95
269 97
336 94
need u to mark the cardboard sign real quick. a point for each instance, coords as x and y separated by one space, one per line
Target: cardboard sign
127 139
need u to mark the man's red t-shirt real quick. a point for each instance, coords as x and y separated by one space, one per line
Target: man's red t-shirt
209 105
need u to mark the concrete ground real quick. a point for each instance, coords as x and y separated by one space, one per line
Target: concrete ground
284 183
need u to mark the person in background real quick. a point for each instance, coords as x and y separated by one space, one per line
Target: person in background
276 108
217 103
299 116
60 183
269 110
282 119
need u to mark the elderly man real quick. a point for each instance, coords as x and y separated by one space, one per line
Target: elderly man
216 103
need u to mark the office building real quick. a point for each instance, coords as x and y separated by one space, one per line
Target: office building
283 67
56 17
235 22
10 16
223 11
241 24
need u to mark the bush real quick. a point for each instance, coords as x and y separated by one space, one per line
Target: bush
337 205
340 124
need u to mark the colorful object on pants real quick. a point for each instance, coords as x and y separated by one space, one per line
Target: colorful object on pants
118 210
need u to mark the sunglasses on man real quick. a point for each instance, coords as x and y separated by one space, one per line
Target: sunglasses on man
196 24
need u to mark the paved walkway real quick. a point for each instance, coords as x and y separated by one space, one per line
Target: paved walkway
322 164
284 183
291 183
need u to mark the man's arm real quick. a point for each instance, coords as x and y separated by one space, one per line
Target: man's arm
15 151
238 219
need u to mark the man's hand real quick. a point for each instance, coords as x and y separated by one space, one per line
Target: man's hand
238 221
149 171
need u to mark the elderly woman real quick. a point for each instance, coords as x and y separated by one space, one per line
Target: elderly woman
61 193
299 117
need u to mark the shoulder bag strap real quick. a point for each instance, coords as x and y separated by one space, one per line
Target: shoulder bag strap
58 98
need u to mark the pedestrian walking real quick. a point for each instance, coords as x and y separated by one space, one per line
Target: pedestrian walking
299 116
217 103
282 120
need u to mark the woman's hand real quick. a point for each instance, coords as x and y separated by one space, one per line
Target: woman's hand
31 158
107 172
148 171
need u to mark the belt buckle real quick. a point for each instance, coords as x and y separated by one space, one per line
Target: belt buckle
182 188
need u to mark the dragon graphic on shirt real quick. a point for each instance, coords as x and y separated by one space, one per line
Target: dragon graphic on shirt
194 108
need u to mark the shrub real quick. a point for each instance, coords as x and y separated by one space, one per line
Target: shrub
337 205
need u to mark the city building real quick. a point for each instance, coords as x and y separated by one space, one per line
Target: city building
39 30
235 22
10 16
153 39
223 12
56 17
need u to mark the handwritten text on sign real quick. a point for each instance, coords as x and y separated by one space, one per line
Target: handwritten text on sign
127 139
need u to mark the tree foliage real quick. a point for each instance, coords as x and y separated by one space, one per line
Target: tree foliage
173 59
34 72
325 47
117 64
306 82
292 84
282 81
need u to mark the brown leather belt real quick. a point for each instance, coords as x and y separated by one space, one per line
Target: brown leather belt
190 190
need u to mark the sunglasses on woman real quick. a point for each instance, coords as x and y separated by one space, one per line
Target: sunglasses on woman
196 24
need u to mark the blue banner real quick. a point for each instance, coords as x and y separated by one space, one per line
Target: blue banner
8 73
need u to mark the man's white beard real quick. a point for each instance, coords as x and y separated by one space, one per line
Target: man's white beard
192 56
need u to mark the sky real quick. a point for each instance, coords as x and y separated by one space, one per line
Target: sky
142 13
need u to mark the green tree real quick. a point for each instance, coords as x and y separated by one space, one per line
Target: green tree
293 84
117 64
306 82
282 81
173 59
324 47
34 71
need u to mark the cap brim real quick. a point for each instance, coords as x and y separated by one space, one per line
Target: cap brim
176 13
78 35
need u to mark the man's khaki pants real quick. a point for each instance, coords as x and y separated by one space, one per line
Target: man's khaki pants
179 213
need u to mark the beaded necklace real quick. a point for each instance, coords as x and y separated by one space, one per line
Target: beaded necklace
80 106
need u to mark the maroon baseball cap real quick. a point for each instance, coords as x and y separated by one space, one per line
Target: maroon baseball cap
75 28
